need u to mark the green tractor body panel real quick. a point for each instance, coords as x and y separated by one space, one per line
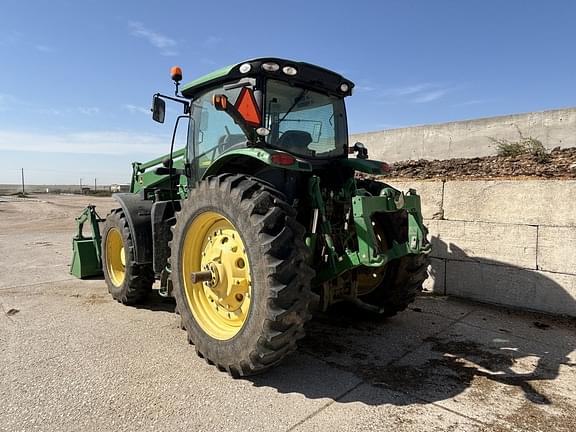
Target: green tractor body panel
390 200
367 166
364 207
144 177
256 155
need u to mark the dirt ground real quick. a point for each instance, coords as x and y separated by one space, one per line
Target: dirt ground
73 359
560 164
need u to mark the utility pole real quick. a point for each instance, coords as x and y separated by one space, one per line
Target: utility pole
94 184
80 186
23 192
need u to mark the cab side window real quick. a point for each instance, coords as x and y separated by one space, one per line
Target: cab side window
215 130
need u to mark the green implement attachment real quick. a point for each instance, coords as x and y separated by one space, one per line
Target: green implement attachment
86 253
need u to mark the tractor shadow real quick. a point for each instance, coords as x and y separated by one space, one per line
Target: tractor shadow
156 303
435 350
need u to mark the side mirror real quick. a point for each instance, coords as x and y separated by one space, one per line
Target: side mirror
360 150
158 109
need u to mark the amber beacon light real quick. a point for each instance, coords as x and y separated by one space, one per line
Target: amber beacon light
176 73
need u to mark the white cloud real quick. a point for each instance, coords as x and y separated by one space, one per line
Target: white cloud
86 111
417 93
364 88
136 109
48 111
430 96
114 143
166 45
89 111
407 90
9 102
470 102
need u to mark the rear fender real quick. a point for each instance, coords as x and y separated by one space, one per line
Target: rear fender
248 160
367 166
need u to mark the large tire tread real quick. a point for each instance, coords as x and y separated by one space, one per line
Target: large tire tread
411 274
283 256
138 278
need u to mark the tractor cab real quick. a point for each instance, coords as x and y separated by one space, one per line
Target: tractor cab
294 110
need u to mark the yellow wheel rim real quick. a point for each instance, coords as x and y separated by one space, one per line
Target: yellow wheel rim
221 305
115 257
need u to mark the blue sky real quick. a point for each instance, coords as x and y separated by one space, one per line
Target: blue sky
76 77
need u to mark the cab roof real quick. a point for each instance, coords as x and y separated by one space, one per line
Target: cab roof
307 74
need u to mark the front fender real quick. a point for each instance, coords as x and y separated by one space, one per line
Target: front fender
138 214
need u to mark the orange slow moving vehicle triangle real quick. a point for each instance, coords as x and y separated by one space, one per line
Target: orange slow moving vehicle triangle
247 107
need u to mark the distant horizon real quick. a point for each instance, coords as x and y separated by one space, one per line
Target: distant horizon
89 182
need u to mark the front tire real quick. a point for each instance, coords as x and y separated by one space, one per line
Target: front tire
127 281
248 316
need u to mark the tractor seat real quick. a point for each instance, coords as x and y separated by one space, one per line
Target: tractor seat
294 138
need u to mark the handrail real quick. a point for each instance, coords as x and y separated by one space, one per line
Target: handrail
143 166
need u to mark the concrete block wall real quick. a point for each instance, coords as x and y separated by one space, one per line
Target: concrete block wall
505 242
470 138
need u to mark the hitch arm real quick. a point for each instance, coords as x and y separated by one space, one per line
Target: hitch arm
89 215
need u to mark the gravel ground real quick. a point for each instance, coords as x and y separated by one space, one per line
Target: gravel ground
73 359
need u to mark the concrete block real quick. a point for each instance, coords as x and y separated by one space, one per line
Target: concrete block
556 249
512 286
430 194
468 241
436 277
530 202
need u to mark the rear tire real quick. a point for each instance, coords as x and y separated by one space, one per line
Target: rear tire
402 278
222 216
402 283
127 281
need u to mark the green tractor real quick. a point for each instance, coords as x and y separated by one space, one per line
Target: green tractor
262 212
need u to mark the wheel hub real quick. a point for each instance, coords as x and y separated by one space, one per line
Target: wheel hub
221 302
224 257
215 280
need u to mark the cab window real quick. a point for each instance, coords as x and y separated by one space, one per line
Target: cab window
214 131
305 122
